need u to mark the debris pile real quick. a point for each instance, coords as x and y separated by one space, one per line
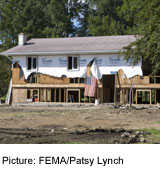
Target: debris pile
134 137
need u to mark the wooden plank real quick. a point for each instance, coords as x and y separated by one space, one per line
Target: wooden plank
64 95
127 95
132 96
155 96
28 85
150 97
59 94
121 96
115 93
149 86
49 95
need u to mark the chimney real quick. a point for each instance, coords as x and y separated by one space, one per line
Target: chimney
22 39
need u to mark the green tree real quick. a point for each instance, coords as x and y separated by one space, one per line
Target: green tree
59 19
21 16
5 75
147 45
104 19
82 16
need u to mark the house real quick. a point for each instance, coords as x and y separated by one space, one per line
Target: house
56 70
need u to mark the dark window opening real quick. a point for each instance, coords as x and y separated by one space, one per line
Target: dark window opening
31 63
71 80
75 63
73 96
57 95
62 95
69 62
52 95
34 63
77 80
82 96
72 63
143 97
82 80
28 94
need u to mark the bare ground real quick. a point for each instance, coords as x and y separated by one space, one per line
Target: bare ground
75 124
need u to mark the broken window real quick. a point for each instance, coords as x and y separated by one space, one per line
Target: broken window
72 62
31 63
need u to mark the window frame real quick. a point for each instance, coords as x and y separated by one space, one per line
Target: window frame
73 69
32 64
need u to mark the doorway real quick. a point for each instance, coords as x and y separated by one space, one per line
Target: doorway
108 82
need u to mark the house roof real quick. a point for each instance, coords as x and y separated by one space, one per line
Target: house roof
76 45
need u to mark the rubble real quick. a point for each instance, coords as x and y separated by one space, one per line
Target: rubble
134 137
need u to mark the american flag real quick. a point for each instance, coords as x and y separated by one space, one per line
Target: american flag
90 86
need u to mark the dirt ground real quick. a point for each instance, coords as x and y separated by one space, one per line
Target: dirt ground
76 124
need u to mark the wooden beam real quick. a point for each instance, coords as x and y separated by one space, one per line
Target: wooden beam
150 97
59 94
55 95
155 96
121 96
64 95
115 93
127 95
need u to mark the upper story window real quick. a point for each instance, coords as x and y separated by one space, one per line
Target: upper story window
31 63
73 63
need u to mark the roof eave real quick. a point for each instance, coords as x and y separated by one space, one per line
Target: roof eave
59 53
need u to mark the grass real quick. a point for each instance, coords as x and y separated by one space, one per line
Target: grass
154 132
3 98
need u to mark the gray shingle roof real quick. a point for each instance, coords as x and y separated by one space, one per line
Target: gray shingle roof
77 45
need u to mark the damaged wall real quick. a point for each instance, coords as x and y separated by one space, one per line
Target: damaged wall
57 65
136 80
19 95
16 79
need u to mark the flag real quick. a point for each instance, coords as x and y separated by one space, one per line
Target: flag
90 86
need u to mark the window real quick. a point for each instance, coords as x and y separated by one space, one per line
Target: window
72 62
31 63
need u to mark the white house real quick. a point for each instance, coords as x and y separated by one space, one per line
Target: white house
55 69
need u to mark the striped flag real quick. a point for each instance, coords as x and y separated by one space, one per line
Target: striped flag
90 86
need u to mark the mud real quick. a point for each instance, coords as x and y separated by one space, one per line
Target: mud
102 124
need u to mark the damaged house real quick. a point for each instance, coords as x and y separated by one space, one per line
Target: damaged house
78 70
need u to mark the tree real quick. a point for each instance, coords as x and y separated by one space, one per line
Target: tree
82 15
147 45
21 16
37 19
5 74
104 19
